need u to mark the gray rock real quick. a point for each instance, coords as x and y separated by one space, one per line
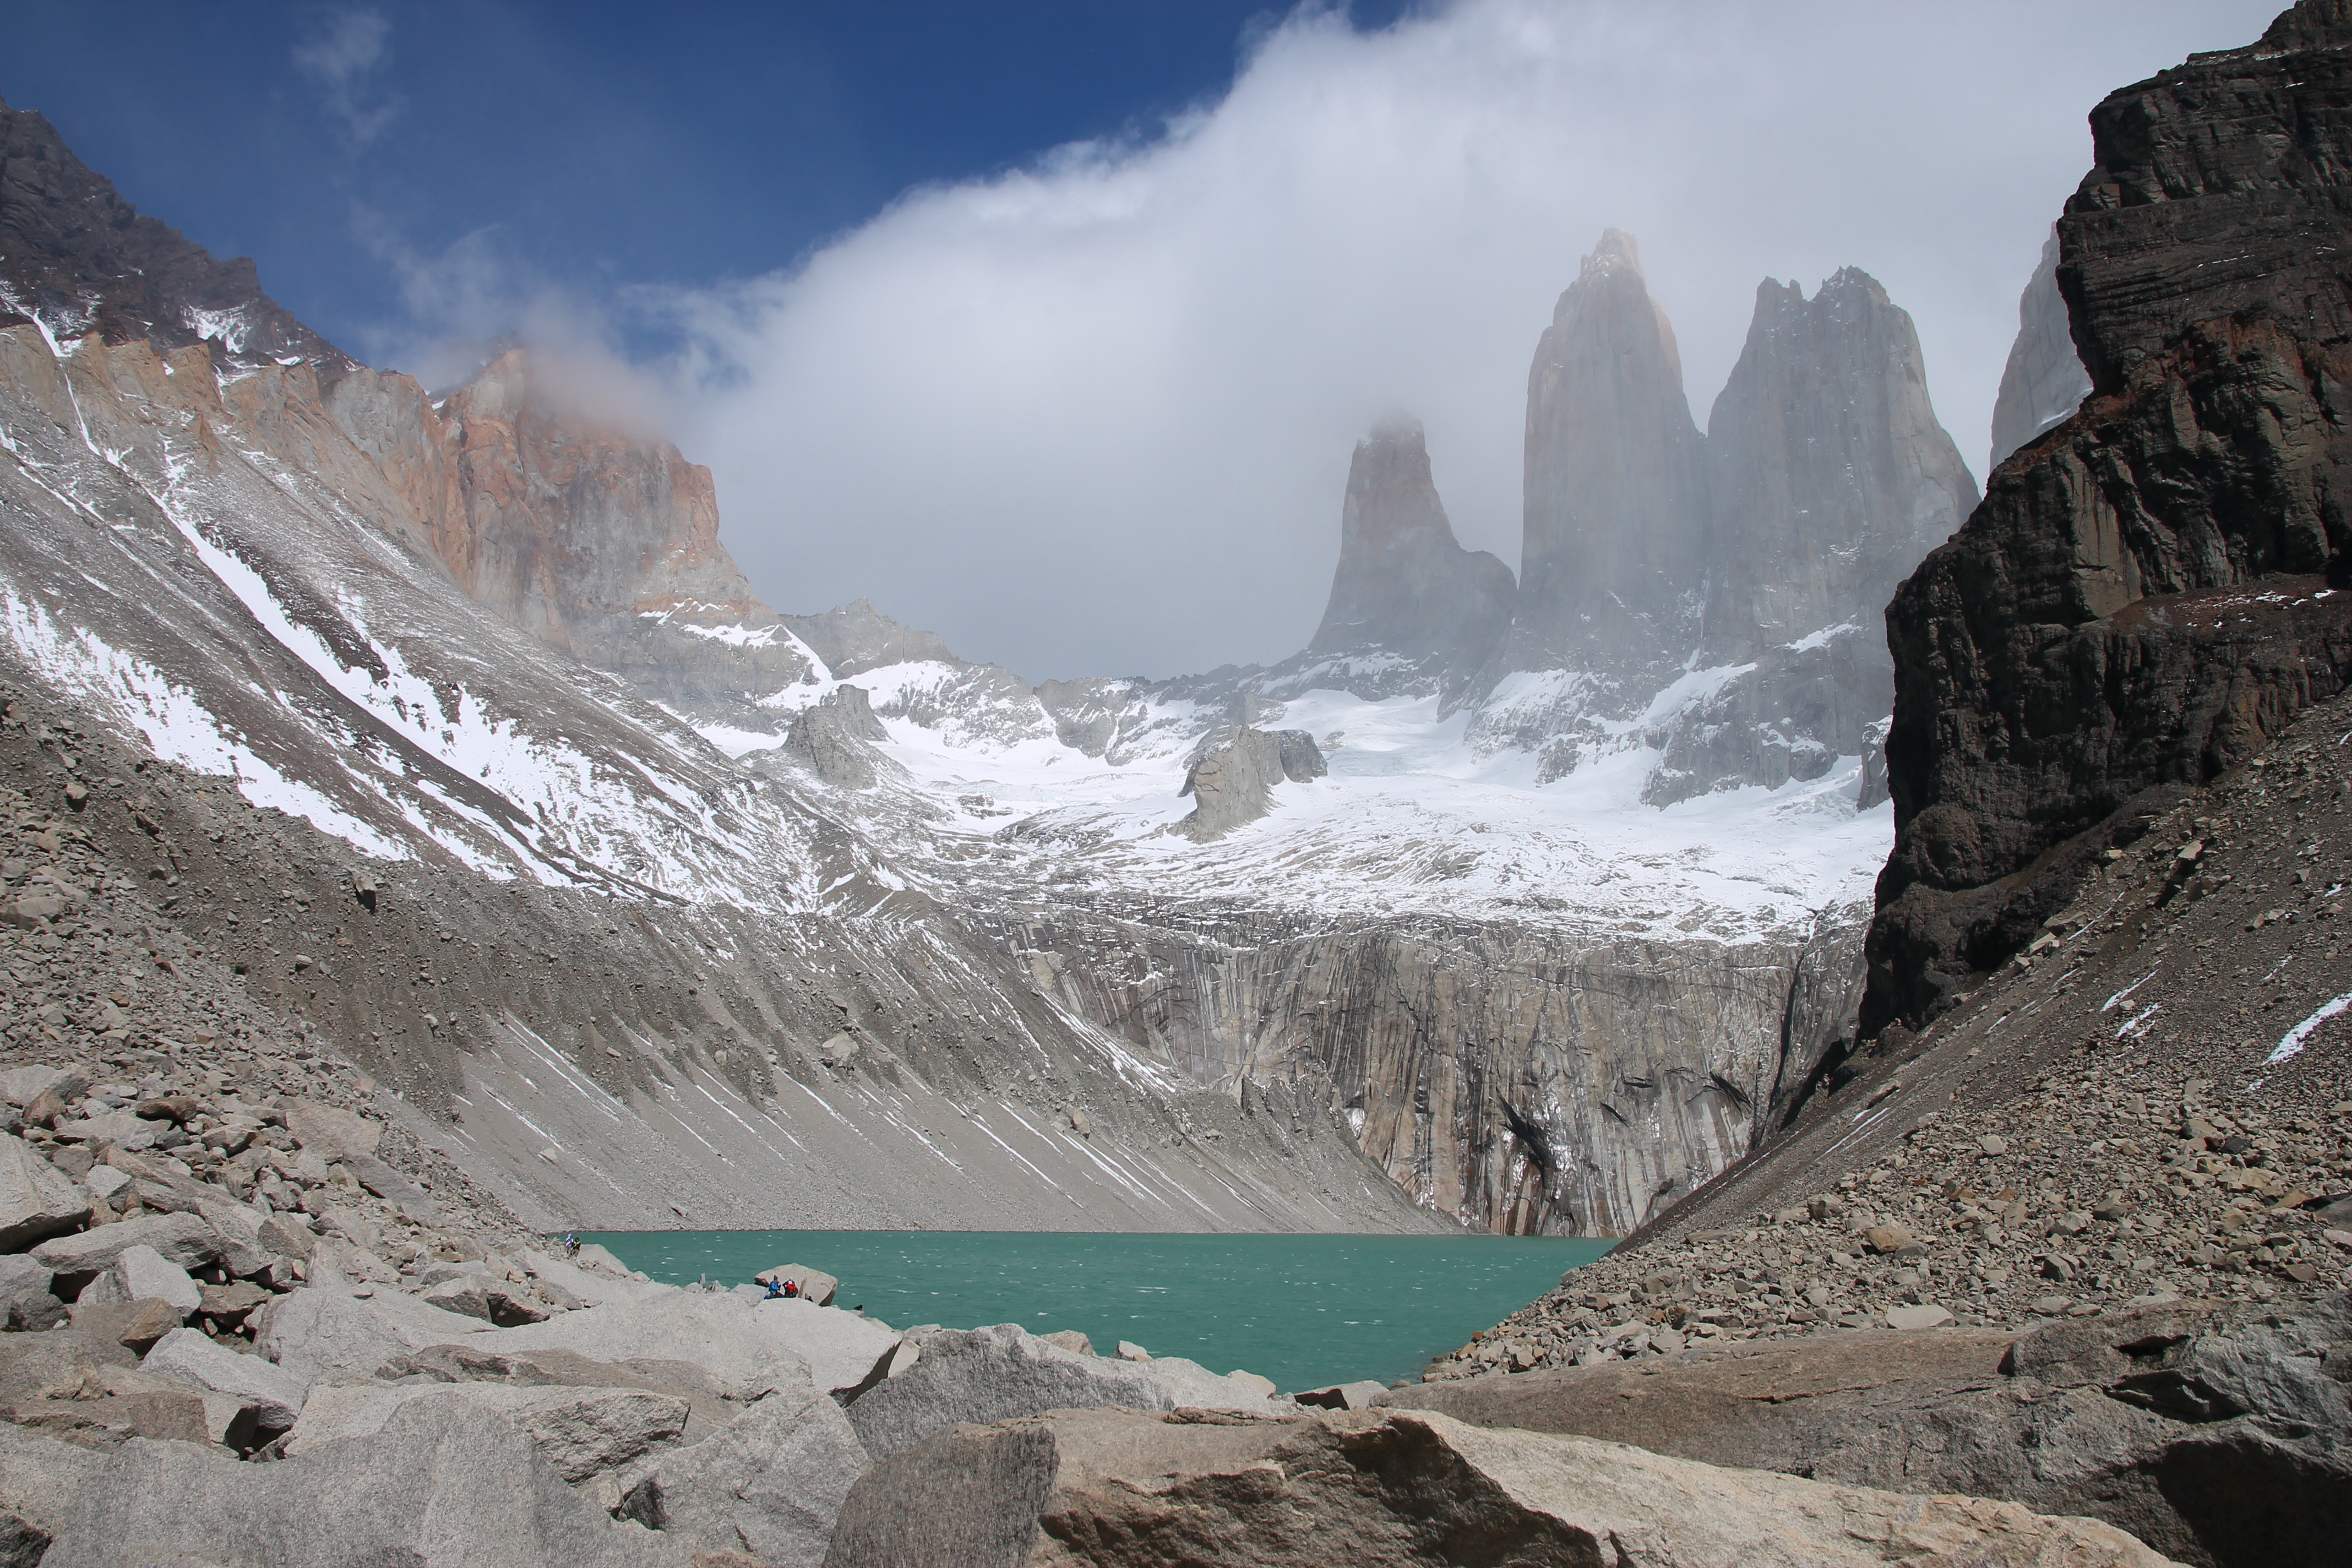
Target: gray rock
443 1485
180 1238
1072 1340
772 1484
996 1373
747 1345
2043 381
40 1480
493 1301
1343 1396
815 1285
1234 771
1396 1488
143 1274
582 1432
36 1201
323 1335
25 1300
854 638
22 1086
1406 590
273 1395
833 739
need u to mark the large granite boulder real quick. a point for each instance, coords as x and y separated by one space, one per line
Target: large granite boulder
581 1432
273 1395
1402 1488
998 1372
36 1201
444 1484
183 1240
40 1480
2218 1437
772 1484
744 1344
324 1335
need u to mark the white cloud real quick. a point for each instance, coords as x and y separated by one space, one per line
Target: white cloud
340 59
1095 416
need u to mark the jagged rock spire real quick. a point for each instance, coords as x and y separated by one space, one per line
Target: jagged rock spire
2043 381
1405 586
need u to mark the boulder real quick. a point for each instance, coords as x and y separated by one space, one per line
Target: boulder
36 1201
1072 1340
814 1286
492 1301
183 1239
443 1485
979 1375
120 1333
25 1300
2217 1436
771 1485
842 1349
582 1432
331 1129
141 1274
1402 1488
40 1478
1342 1395
707 1408
322 1335
22 1086
736 1342
272 1393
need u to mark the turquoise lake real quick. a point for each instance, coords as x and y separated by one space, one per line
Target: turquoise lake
1304 1311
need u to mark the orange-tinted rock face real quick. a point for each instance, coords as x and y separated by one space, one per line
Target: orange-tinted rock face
601 541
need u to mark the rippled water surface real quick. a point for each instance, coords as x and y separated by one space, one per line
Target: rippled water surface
1301 1309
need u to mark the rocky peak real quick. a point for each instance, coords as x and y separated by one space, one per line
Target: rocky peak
1616 507
1234 771
2043 381
1405 586
1829 476
854 638
78 259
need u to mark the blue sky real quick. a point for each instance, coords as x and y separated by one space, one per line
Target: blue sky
596 144
1051 326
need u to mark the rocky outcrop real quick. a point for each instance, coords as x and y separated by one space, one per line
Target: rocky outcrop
2215 1437
2044 381
2139 601
1405 592
1234 771
835 739
1397 1488
1616 486
78 259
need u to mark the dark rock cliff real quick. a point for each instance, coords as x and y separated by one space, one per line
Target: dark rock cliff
2142 598
1404 586
79 258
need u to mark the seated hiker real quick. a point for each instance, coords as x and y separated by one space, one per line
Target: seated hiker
775 1290
791 1288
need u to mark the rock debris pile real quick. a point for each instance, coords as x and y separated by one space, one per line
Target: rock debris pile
2087 1194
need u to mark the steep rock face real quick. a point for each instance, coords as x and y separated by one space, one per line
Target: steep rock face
2138 601
1828 474
1616 498
601 540
1523 1079
833 739
1404 587
2043 381
854 638
79 258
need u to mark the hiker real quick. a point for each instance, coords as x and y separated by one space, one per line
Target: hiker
775 1290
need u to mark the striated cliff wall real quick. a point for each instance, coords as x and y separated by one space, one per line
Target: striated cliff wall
1513 1077
2142 597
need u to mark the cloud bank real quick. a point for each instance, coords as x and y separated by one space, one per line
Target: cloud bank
1094 415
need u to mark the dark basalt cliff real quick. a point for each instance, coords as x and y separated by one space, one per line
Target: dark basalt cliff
79 258
1405 586
2141 599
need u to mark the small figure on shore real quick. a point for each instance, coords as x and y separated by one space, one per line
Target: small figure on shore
775 1290
570 1243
